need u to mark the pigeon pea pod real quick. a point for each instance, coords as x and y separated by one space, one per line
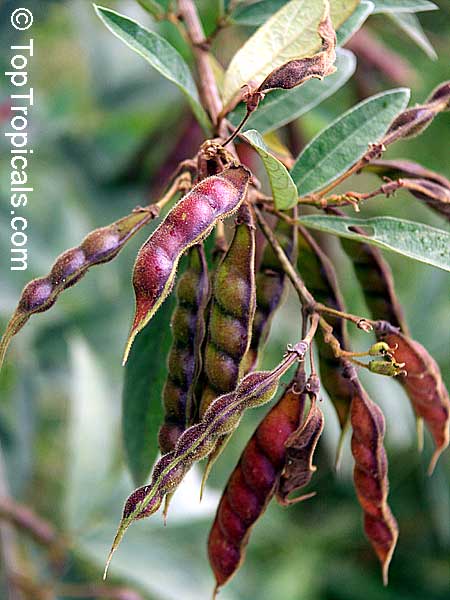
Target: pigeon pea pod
188 223
370 473
220 419
99 246
184 363
231 313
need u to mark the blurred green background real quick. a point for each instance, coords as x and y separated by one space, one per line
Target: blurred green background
106 132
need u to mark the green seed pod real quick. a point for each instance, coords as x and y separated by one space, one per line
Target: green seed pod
390 368
231 313
270 287
319 276
99 246
184 363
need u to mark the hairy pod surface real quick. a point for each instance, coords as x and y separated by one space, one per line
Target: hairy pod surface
184 362
199 440
187 223
231 313
424 385
319 276
370 474
252 483
424 184
270 288
99 246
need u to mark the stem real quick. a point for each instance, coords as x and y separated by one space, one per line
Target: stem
360 322
210 94
305 295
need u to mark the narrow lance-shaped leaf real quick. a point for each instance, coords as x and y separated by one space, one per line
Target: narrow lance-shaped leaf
283 188
403 6
354 22
415 240
159 53
259 12
410 24
283 106
341 144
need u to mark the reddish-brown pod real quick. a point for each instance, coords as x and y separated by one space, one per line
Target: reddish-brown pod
370 473
424 386
252 484
187 223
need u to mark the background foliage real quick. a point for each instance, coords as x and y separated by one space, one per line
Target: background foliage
103 128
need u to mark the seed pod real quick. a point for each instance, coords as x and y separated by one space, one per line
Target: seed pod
189 222
375 278
184 363
424 385
296 72
415 120
99 246
252 484
370 473
433 188
270 287
319 276
231 313
300 448
199 440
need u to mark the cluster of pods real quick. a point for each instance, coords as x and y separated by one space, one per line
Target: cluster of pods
226 300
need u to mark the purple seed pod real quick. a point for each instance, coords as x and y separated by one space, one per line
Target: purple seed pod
99 246
184 363
187 224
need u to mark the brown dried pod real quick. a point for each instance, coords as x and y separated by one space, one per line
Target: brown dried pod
370 473
433 188
423 384
415 120
253 482
300 448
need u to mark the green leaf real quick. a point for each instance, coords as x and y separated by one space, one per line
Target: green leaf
417 241
403 6
159 53
152 7
283 188
283 106
145 374
257 13
354 22
336 148
410 24
290 33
